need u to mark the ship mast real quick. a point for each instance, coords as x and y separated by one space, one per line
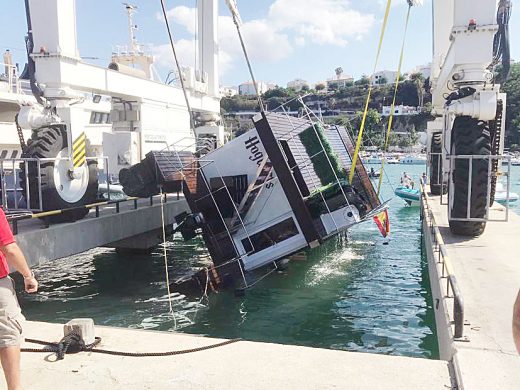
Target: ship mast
132 28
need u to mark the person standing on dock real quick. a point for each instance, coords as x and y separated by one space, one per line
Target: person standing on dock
11 317
424 179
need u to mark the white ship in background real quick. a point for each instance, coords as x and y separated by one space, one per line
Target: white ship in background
122 112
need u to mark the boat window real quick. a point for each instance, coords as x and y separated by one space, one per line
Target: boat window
98 118
270 236
3 154
15 154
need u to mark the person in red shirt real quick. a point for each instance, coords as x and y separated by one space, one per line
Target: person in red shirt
11 317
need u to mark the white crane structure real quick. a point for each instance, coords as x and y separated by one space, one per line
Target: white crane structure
146 114
466 140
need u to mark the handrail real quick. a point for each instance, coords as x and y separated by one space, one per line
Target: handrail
448 271
15 218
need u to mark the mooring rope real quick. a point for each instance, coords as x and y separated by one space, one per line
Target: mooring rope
165 255
73 343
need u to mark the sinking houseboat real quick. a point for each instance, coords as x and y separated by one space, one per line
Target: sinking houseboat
275 190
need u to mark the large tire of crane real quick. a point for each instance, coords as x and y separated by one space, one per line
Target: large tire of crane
57 193
436 176
470 137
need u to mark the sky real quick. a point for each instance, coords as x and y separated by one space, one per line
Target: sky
286 39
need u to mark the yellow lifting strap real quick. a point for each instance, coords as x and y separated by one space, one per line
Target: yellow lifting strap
363 121
392 107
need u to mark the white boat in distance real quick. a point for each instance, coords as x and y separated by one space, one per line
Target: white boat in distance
502 197
372 160
413 160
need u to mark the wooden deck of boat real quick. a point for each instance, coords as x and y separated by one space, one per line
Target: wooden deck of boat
241 365
487 270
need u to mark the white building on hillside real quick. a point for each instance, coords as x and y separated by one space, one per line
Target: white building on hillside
298 84
383 77
228 91
344 81
400 110
425 70
340 81
248 88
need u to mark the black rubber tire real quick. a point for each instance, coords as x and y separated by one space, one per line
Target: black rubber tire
470 137
48 143
436 176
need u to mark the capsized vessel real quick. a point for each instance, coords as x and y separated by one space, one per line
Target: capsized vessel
272 192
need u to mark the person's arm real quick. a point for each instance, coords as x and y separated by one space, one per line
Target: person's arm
516 323
16 259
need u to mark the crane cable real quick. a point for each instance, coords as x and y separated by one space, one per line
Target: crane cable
370 88
233 8
183 86
392 107
165 256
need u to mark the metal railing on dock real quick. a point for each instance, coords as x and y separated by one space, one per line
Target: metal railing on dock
452 289
13 219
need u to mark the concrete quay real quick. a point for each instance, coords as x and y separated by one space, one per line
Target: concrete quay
123 226
487 272
241 365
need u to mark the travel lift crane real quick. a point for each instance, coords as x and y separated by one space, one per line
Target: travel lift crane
146 114
466 140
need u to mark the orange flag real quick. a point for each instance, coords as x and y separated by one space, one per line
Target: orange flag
383 223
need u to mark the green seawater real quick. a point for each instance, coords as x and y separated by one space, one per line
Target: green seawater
353 293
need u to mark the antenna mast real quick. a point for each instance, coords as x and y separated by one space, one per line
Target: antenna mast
132 28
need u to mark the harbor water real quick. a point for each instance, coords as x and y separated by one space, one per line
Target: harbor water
358 292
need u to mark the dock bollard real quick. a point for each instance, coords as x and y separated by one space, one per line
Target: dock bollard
83 327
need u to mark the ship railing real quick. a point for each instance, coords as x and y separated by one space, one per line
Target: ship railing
15 198
9 74
491 177
135 50
451 289
16 216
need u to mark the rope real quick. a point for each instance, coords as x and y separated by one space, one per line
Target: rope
165 254
71 343
79 346
370 88
392 107
192 119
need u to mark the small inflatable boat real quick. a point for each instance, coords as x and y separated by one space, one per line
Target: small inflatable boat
409 195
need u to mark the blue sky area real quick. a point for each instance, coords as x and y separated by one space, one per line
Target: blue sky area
287 39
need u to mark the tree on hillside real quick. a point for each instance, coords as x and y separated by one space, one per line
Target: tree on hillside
364 80
279 92
512 88
373 133
407 94
320 87
418 80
